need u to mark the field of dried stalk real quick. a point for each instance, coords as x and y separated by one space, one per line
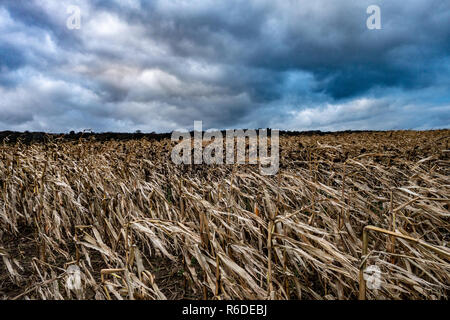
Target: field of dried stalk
140 227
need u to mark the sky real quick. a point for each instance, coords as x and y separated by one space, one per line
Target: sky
160 65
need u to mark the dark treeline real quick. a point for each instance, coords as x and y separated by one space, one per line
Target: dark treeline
42 137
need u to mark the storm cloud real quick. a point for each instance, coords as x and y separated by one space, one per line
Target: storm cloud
160 65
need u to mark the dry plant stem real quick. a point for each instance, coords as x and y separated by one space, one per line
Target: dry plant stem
104 272
341 215
270 228
217 292
362 283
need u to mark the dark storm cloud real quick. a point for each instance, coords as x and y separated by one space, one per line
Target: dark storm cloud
10 58
160 65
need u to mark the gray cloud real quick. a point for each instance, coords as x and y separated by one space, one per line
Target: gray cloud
160 65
